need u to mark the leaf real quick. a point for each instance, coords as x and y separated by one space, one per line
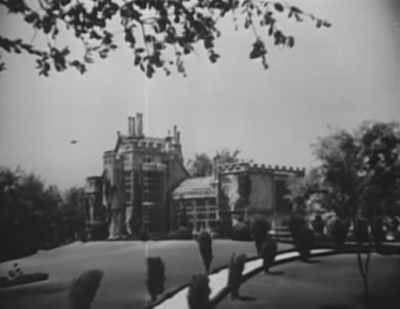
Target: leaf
279 7
137 60
139 50
326 24
290 42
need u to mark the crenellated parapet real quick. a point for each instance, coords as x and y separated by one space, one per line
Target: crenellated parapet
258 168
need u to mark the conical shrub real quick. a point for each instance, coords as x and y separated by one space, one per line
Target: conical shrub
199 292
236 267
84 289
205 247
155 277
268 253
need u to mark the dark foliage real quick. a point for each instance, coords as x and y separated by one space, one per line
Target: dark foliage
84 289
241 231
268 253
155 276
205 247
99 231
182 233
236 267
377 231
318 224
33 216
338 230
259 231
173 26
361 230
24 279
305 242
199 292
392 224
296 223
144 235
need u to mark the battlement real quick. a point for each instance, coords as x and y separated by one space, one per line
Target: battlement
256 168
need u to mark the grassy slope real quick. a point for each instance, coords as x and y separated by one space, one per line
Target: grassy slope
331 284
124 265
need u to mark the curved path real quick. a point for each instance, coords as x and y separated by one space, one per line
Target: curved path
218 280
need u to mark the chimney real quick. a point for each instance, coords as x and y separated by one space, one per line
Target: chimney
132 128
174 137
178 137
139 118
215 168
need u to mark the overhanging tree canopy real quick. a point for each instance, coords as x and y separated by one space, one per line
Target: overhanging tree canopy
159 32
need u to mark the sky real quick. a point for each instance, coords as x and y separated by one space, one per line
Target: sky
336 77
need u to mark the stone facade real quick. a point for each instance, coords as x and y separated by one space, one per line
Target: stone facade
144 185
235 191
138 175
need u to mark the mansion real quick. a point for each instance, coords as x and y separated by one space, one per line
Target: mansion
145 185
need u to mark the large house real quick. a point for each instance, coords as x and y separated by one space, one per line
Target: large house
144 184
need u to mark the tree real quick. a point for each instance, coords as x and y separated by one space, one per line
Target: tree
360 171
155 30
202 165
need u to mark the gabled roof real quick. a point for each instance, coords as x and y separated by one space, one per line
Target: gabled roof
199 187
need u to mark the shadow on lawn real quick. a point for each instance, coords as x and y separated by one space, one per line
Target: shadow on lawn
245 298
371 302
275 273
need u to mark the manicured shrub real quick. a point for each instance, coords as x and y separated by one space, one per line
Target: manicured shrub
296 223
392 224
205 247
268 253
361 230
84 289
305 242
259 231
377 231
99 231
183 233
155 277
144 235
236 267
318 224
241 231
338 230
199 292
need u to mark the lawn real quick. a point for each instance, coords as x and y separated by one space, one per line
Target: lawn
332 283
123 263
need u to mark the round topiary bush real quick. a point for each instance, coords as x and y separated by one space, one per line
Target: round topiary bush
241 231
99 231
183 233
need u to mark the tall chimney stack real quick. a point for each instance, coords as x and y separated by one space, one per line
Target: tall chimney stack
178 137
129 125
133 126
139 118
174 137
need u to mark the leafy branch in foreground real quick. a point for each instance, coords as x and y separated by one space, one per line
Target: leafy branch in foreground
155 30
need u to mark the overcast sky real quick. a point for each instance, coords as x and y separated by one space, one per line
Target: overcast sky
338 76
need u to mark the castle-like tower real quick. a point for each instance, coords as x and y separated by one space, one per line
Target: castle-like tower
138 174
